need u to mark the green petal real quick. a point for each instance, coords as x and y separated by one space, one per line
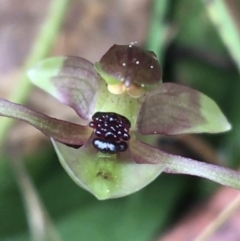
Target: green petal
105 175
72 80
180 165
60 130
175 109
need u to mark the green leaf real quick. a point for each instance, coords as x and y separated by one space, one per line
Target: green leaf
72 80
123 219
105 175
181 165
175 109
62 131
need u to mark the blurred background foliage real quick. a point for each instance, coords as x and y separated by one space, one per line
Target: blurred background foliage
192 53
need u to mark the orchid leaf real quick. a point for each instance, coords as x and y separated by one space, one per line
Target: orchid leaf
72 80
59 130
105 175
175 109
180 165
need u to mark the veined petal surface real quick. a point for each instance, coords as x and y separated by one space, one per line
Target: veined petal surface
72 80
176 109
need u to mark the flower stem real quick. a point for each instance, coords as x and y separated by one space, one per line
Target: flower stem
40 49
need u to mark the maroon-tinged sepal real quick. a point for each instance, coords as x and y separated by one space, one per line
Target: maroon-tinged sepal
144 153
61 131
72 80
176 109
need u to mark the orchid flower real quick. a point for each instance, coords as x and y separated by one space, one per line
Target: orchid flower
121 99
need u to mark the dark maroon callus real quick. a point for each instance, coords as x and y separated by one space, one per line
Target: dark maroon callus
132 64
112 131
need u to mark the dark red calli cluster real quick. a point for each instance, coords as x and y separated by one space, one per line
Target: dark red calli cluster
112 131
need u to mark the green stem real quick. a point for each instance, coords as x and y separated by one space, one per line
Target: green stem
157 34
40 49
226 27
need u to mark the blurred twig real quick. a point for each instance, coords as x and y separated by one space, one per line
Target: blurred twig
222 217
40 49
223 20
40 224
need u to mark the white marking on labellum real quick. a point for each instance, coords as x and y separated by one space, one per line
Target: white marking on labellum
123 64
137 62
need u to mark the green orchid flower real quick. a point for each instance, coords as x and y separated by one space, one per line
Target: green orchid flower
121 99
